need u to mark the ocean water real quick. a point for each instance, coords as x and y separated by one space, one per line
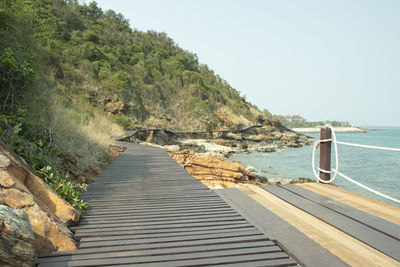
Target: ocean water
377 169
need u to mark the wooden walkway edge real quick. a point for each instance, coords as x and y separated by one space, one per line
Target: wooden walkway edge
378 233
303 248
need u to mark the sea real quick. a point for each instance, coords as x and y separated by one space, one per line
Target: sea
377 169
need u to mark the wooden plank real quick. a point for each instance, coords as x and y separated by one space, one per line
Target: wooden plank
377 223
87 232
160 251
377 208
155 219
373 238
95 218
157 223
158 212
307 251
165 230
210 257
347 248
169 205
249 229
152 240
133 210
275 262
177 245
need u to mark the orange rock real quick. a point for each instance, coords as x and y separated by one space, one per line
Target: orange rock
16 199
209 168
6 179
47 211
50 232
115 151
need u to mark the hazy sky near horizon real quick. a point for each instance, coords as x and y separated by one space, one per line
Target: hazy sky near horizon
324 60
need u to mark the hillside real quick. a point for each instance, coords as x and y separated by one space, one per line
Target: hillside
140 78
74 75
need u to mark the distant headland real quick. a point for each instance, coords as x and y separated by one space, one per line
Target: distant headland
299 124
337 130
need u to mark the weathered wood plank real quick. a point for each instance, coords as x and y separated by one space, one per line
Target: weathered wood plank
249 230
165 230
377 223
373 238
167 219
84 232
159 223
161 251
303 248
210 257
177 245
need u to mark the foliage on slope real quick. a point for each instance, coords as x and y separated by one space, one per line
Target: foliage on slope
97 57
68 72
45 128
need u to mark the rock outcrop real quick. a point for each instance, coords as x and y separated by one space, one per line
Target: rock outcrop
206 168
47 212
117 107
17 240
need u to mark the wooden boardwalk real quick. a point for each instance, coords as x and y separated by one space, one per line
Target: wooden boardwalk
145 210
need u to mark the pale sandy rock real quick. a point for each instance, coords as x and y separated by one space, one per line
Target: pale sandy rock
17 240
16 199
4 161
6 179
172 148
251 169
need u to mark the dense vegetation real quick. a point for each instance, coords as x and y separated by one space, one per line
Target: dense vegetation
70 72
297 121
96 57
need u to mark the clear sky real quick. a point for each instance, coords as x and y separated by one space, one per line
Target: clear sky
324 60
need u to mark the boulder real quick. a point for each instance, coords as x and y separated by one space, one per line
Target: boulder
205 167
17 240
47 212
161 137
18 174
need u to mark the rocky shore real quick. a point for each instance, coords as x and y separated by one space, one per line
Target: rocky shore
216 172
204 154
250 139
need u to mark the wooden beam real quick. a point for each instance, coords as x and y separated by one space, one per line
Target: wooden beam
325 154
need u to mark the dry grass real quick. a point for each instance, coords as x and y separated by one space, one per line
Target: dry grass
82 130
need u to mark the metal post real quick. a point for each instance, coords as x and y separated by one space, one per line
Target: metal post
325 153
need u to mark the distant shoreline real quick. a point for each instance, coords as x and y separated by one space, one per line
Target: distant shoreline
337 130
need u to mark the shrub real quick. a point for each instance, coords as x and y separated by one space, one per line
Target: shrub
34 144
